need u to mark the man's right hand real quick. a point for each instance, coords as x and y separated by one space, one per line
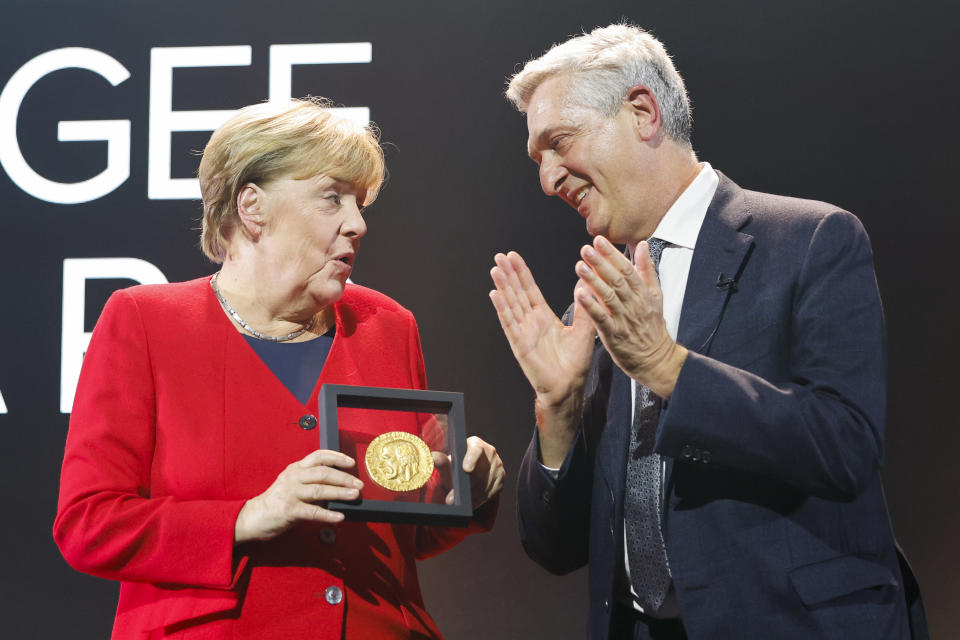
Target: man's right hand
555 358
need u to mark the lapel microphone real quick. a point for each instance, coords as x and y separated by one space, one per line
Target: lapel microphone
724 282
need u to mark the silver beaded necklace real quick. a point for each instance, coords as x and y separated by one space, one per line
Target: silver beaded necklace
246 326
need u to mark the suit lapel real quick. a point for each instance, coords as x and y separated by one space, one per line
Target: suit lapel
721 249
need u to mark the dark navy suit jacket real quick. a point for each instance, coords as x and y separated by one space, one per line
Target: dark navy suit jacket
775 520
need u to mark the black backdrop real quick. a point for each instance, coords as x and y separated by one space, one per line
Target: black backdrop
847 102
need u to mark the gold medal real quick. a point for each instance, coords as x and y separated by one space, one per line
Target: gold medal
399 461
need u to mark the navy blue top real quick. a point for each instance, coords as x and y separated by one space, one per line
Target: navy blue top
296 364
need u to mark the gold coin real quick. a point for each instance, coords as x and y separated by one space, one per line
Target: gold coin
399 461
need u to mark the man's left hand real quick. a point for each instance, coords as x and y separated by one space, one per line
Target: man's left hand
625 304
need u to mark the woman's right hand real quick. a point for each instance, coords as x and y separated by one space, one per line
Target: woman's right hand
299 494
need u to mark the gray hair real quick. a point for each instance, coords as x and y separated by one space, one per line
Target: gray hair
602 65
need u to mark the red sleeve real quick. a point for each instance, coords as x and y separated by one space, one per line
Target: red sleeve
107 523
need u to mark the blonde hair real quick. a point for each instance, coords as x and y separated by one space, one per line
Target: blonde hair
296 139
602 65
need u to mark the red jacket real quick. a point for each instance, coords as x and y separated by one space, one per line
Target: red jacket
176 423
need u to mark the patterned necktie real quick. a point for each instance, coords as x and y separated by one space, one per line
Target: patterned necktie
649 570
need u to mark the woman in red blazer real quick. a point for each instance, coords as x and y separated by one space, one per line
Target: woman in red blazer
191 471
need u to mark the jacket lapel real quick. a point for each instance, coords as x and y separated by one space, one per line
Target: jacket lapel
721 249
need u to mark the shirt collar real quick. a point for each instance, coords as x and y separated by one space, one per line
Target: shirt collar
680 226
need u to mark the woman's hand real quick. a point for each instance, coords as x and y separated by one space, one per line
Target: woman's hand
298 494
483 464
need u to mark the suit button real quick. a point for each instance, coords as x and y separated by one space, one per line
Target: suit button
606 604
695 457
686 452
327 535
308 422
333 595
706 457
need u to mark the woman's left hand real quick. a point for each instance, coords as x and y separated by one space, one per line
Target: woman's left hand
486 471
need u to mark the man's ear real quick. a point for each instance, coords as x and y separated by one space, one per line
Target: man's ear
645 110
250 208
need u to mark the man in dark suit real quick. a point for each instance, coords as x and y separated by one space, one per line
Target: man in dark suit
710 411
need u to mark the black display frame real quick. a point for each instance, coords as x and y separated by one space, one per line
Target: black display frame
336 396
